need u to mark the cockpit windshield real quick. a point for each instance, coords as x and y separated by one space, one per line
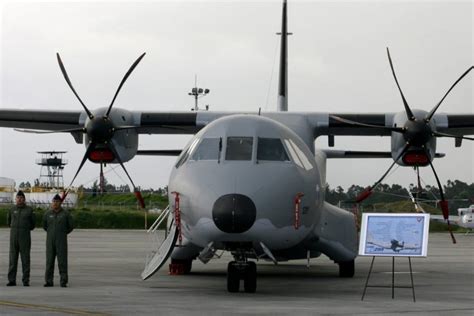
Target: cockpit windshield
208 149
239 148
271 149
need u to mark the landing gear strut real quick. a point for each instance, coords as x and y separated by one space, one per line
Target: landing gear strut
242 270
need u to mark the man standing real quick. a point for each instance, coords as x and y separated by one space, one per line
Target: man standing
57 222
21 220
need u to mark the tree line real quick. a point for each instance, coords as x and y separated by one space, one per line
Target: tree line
458 193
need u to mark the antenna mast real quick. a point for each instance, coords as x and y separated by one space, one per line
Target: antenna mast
283 79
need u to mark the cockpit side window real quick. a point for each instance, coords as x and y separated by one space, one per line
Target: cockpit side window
271 149
239 148
185 154
208 149
293 154
298 155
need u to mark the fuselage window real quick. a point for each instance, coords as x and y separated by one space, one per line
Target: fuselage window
271 149
208 149
185 155
239 148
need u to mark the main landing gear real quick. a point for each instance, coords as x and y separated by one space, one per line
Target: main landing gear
346 269
242 270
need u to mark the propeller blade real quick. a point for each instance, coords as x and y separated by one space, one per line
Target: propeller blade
63 70
37 131
430 115
64 195
343 120
369 190
443 203
86 155
137 193
438 134
408 111
119 128
123 81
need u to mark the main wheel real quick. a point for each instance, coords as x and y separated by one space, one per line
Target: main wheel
233 278
346 269
250 278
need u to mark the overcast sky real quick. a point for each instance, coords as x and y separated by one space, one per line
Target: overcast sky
337 63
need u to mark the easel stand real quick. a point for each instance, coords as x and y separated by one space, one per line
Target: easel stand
393 280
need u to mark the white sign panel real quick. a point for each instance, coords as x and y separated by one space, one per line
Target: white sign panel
389 235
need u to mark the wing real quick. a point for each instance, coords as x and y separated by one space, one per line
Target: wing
41 120
191 122
168 123
379 124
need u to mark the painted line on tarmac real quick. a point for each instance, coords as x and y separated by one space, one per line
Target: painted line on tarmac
51 308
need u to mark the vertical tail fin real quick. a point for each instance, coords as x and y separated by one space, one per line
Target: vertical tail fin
283 79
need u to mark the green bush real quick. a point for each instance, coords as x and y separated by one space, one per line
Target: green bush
105 219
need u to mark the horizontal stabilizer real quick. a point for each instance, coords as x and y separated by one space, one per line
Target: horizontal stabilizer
363 154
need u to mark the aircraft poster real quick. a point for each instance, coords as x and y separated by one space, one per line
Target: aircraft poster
387 234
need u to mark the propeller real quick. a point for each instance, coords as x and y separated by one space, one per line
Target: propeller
100 131
369 190
443 203
416 133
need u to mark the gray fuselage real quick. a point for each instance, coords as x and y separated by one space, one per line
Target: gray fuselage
270 185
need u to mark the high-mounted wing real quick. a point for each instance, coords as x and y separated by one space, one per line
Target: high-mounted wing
41 120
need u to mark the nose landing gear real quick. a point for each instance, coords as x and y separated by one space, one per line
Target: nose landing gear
242 270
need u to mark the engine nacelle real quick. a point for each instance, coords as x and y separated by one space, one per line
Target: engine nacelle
422 148
125 141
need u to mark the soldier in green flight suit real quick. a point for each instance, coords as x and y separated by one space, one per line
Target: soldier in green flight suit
21 220
58 223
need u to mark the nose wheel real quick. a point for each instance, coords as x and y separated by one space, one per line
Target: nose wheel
246 271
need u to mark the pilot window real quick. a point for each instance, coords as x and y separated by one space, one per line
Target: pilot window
271 149
208 149
298 155
239 148
186 153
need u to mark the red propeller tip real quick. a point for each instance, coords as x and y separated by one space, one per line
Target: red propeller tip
140 199
444 208
365 194
63 195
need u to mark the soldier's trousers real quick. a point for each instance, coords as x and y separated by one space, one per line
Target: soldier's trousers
52 251
21 249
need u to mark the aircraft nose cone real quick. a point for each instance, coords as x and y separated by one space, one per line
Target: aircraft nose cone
234 213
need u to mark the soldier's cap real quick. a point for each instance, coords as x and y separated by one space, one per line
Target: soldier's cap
57 198
20 193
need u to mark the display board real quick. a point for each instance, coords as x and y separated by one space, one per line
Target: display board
394 235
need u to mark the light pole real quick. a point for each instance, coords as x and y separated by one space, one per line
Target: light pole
197 93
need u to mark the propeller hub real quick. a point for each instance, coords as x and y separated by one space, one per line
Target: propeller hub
100 129
417 132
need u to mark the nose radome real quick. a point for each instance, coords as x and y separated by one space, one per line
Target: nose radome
234 213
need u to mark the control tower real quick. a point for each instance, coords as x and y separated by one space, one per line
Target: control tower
52 165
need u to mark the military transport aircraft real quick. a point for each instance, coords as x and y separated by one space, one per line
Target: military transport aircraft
252 184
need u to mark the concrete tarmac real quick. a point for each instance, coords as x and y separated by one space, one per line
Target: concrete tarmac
105 267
